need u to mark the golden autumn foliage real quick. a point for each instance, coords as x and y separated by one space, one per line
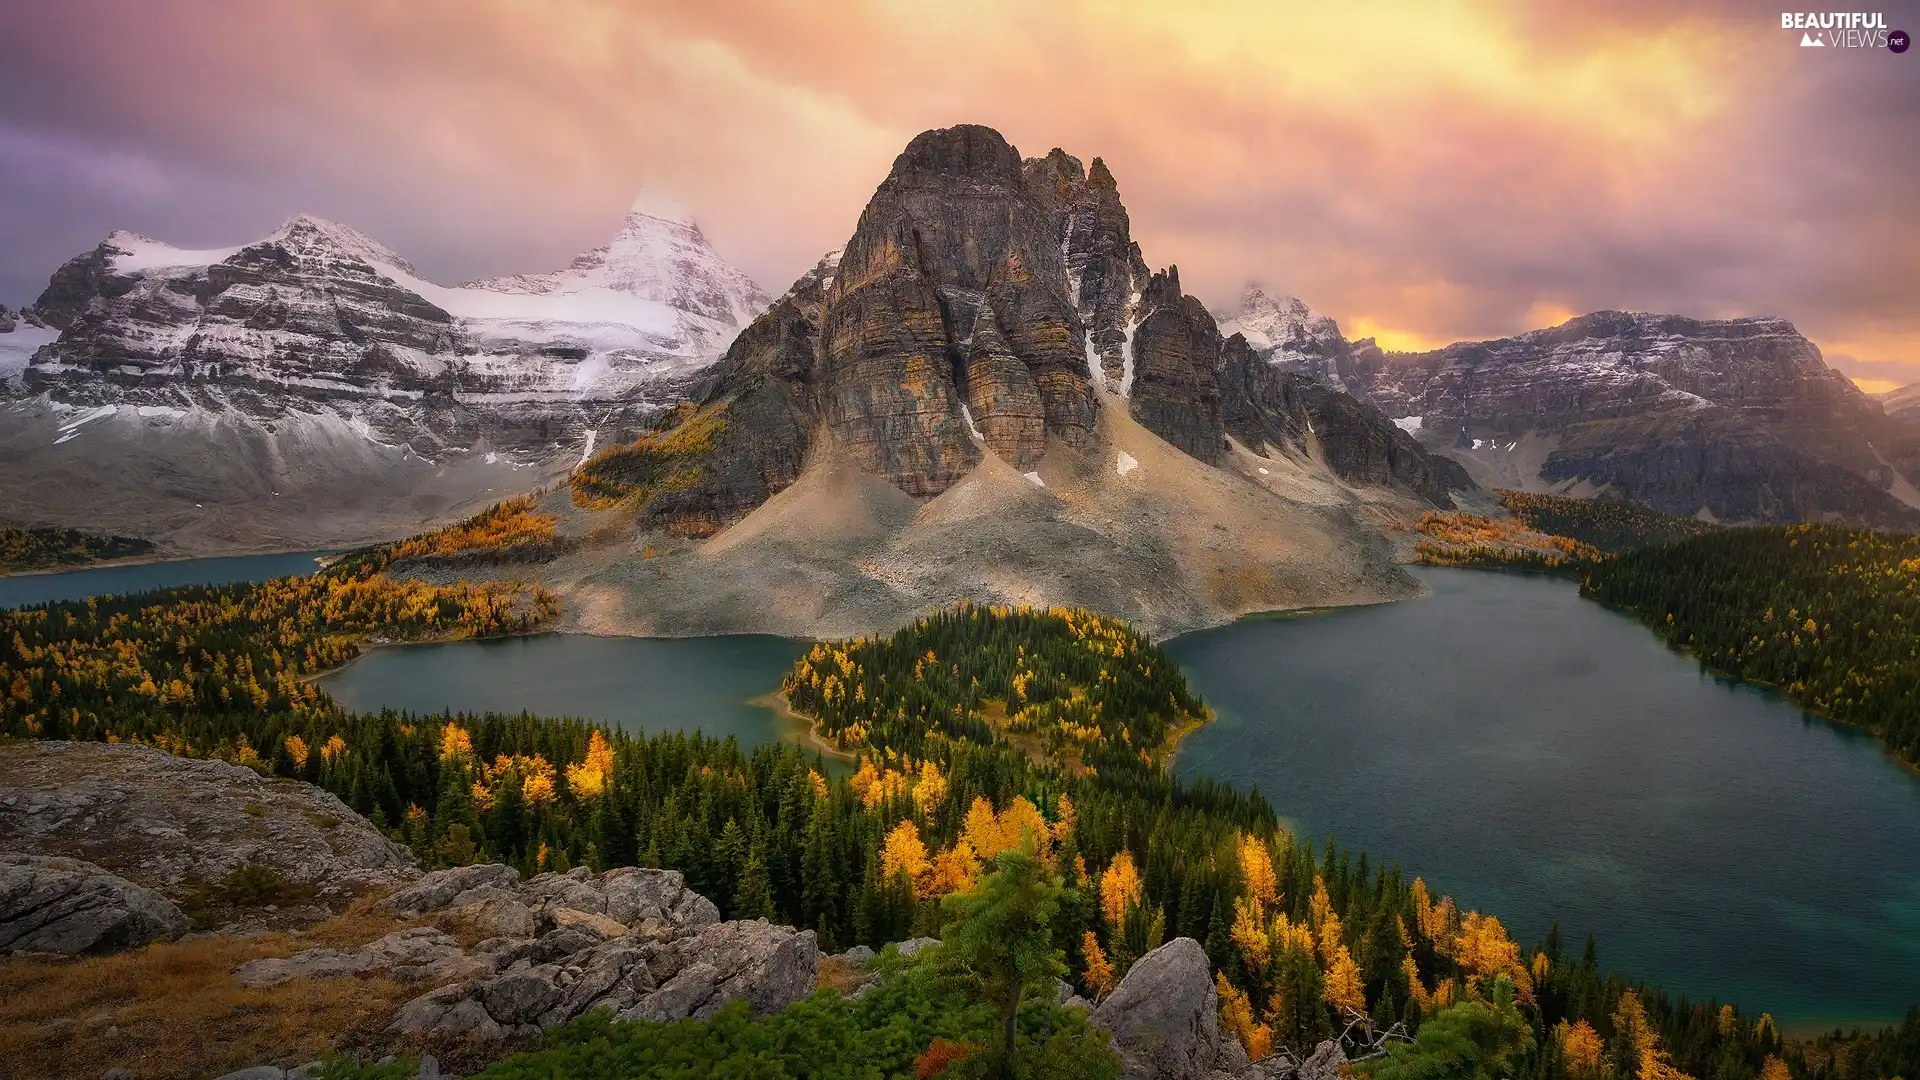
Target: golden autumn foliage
509 527
1119 887
1343 989
653 463
954 870
905 853
1099 973
1256 865
1580 1047
1486 952
455 743
588 778
1249 933
1650 1060
1236 1017
1456 538
297 750
135 665
1018 826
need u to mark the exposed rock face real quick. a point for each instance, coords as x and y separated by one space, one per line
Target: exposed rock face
1741 418
320 359
56 905
1164 1017
1268 405
982 303
1174 370
175 824
631 940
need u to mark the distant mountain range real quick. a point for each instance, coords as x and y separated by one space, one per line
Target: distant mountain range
1734 420
311 388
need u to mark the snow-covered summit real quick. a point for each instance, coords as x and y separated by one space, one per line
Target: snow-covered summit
1284 326
661 208
659 255
1289 334
305 234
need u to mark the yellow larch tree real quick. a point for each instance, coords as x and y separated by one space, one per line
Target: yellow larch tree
1256 865
1650 1059
297 750
1580 1047
1344 989
954 870
1236 1016
1486 952
904 852
1119 886
930 790
1249 936
455 743
1099 974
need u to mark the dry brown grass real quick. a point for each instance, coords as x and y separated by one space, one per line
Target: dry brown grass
839 976
175 1010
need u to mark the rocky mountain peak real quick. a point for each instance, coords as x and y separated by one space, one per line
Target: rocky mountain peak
984 303
964 150
316 237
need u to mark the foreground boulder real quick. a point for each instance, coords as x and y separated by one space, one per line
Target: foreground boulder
175 824
1164 1017
55 905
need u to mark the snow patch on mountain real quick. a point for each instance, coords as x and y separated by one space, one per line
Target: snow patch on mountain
18 346
131 254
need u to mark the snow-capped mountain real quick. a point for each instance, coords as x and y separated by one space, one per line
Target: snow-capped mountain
1903 403
317 344
320 318
1293 337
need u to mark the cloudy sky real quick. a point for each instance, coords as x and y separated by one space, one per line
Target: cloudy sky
1422 171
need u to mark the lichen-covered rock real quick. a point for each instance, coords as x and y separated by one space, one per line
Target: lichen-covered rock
446 888
177 824
57 905
768 966
1164 1017
412 955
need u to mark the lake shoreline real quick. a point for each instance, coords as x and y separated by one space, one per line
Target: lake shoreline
806 728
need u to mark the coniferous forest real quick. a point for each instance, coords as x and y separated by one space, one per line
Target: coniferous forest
27 550
979 732
1830 615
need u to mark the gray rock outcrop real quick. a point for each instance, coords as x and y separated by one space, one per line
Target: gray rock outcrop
634 941
1164 1017
176 824
55 905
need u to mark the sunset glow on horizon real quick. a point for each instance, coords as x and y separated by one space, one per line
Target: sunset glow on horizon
1423 172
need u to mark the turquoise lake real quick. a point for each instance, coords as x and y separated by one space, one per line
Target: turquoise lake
25 590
